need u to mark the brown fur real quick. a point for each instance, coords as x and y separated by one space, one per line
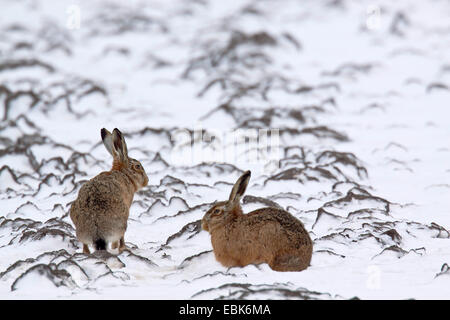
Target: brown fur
267 235
117 165
102 207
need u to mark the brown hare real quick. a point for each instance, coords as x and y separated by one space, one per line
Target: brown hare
100 212
268 235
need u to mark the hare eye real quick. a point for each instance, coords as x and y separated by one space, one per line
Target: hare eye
138 166
216 211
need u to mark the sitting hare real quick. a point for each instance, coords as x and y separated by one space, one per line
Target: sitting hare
100 212
268 235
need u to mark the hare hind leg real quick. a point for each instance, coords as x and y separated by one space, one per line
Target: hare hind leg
86 249
287 263
115 245
122 244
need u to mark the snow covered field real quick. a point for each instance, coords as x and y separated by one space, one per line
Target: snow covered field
358 93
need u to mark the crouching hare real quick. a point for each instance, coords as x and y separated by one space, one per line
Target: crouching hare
100 212
268 235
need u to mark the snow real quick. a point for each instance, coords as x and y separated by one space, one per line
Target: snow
357 92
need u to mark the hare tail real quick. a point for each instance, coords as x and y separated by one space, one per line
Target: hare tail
100 244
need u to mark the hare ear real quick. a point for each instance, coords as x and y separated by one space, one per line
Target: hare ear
119 145
239 187
108 142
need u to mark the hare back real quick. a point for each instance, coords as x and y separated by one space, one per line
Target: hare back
276 225
263 235
102 208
